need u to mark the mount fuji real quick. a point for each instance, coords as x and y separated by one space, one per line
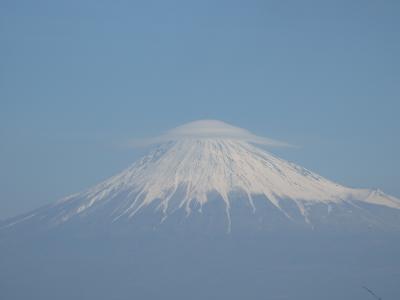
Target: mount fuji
214 173
207 214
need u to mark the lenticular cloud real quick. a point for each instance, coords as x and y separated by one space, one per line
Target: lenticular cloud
209 129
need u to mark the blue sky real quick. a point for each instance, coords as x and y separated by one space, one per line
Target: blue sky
80 78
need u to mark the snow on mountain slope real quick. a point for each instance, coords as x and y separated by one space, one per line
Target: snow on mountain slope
207 157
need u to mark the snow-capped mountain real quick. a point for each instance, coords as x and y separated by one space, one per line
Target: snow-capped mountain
211 162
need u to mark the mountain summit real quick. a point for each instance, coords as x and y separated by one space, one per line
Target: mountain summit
207 164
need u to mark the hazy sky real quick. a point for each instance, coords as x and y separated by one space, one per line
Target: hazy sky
78 79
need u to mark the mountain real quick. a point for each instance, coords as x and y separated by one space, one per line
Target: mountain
207 214
214 171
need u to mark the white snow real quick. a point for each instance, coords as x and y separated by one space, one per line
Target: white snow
211 156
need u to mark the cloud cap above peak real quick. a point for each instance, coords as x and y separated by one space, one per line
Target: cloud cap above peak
209 129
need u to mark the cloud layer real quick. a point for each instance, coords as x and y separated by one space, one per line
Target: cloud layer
208 129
